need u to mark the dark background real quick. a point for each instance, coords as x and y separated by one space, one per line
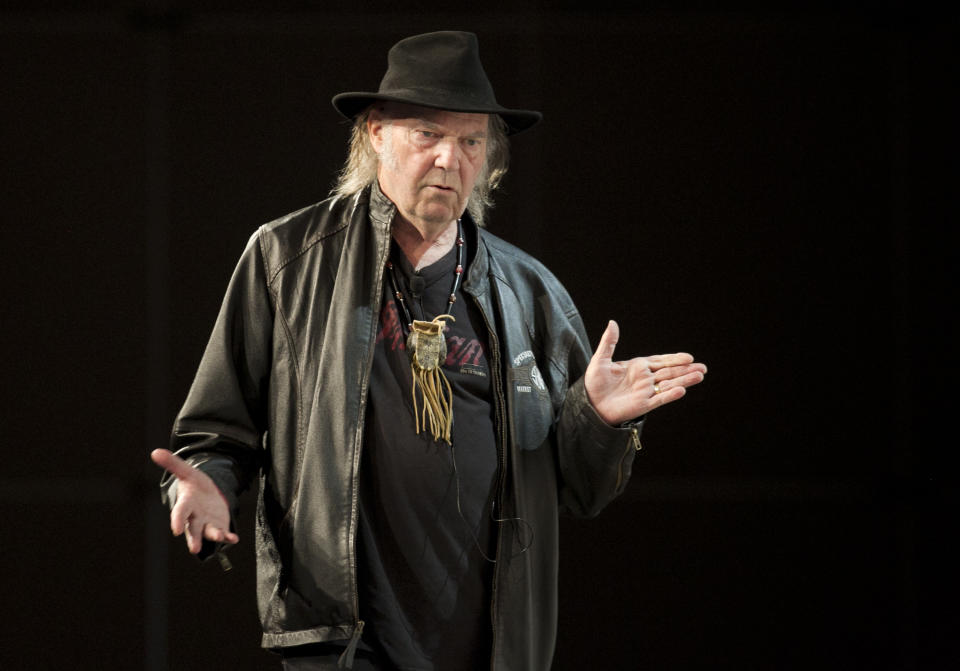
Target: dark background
768 186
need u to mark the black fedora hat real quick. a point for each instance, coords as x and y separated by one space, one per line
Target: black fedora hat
440 70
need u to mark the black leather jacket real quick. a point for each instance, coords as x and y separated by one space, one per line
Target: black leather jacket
280 396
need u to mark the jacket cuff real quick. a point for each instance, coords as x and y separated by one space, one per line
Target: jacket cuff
591 420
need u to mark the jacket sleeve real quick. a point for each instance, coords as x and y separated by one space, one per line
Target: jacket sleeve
221 426
594 458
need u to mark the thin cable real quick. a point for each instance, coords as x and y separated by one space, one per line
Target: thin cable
520 522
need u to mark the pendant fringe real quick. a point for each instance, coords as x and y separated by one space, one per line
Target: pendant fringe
437 409
428 349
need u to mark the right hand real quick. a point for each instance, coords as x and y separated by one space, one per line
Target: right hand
201 511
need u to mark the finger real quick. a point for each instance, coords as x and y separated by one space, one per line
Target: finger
666 396
678 371
658 361
220 535
608 341
167 460
212 533
194 536
687 380
179 517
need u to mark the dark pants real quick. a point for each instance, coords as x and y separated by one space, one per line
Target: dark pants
324 657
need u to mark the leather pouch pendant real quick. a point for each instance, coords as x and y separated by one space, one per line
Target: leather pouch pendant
428 350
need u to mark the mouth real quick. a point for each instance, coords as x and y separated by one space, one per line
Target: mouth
439 187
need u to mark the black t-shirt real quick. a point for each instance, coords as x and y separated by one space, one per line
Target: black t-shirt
425 506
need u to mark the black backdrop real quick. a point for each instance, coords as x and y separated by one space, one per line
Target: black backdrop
768 188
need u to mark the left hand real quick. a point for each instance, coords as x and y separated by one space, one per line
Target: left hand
201 511
623 390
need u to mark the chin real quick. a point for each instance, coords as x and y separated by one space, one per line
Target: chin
437 215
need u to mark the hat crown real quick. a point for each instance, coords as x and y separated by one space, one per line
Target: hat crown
441 70
439 67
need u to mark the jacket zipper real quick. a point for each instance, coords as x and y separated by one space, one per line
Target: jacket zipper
346 659
348 654
633 446
501 472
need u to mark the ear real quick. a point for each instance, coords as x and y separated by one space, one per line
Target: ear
376 129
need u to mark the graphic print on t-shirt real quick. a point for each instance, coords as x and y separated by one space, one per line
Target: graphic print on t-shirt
464 356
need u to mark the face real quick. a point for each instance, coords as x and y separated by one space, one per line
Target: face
429 161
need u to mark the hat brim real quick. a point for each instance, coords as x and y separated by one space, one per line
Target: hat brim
352 103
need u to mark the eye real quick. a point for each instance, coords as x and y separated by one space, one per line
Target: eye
424 138
473 145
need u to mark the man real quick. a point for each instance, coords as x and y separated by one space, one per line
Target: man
415 397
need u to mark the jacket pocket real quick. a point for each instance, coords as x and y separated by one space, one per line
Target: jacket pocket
529 408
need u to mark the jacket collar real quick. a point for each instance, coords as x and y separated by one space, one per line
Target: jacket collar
477 278
382 209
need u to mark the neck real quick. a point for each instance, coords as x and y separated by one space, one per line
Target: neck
423 247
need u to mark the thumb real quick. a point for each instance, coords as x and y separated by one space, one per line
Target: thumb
168 461
608 342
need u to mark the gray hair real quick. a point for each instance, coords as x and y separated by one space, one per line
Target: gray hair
360 169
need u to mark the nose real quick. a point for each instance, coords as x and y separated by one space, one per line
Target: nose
448 154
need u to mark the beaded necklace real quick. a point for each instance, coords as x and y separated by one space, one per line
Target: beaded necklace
427 349
457 273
